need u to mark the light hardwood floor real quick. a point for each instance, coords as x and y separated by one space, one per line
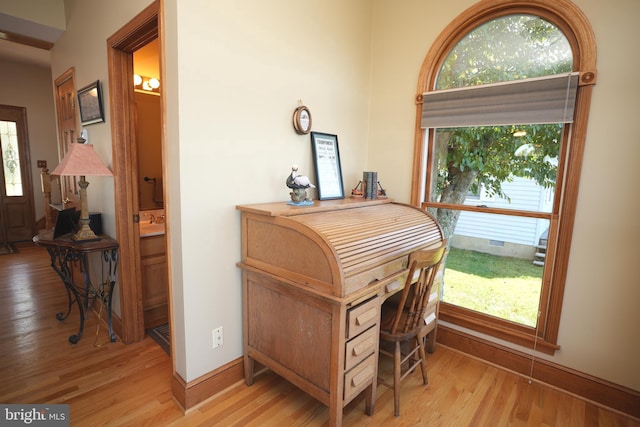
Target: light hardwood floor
130 385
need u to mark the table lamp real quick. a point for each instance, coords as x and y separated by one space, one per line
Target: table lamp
81 160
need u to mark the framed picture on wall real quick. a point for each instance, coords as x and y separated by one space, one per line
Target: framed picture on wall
326 158
90 104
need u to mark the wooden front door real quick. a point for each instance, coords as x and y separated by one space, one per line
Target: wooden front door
67 127
17 213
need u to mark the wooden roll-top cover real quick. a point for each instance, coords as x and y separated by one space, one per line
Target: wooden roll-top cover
336 247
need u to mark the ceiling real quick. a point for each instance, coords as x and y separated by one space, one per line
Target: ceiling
25 41
22 53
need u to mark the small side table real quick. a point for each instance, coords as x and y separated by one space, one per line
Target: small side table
63 252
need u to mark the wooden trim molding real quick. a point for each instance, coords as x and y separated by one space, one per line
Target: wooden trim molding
602 392
189 395
498 328
25 40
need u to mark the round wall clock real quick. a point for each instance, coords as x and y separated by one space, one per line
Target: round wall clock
302 120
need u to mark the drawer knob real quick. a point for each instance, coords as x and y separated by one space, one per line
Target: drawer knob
366 316
362 347
362 377
392 286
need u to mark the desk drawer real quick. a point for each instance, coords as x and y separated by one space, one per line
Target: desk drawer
359 378
363 316
360 347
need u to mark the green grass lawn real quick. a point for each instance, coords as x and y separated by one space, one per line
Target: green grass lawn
504 287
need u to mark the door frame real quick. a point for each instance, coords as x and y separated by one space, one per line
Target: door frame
142 29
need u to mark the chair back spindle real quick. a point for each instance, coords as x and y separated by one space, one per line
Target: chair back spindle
415 295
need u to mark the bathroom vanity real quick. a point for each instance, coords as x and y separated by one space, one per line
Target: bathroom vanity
153 262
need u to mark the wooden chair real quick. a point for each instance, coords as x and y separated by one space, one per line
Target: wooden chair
402 328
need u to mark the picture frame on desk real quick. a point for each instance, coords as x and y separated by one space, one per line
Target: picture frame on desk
90 104
326 158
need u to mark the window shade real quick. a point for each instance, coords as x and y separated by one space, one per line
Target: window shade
537 100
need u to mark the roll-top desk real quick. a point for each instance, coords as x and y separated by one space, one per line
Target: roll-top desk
313 281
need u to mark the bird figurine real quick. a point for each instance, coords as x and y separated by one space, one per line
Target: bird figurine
298 181
298 185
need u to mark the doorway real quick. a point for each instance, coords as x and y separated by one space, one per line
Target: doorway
150 177
17 212
140 31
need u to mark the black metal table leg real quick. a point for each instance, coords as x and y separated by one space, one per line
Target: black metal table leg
64 251
61 269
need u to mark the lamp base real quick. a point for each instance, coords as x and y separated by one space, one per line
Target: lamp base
85 234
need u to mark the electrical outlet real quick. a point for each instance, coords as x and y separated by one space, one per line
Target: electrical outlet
217 337
42 164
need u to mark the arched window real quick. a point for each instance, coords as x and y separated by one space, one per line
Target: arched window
502 108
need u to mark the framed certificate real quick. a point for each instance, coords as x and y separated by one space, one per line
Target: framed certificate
326 157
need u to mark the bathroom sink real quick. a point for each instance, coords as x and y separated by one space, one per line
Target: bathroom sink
150 229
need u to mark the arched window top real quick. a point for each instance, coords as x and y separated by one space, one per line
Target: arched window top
563 14
506 48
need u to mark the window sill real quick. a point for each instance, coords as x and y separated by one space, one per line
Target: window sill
498 328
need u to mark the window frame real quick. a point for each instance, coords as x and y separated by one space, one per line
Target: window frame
578 31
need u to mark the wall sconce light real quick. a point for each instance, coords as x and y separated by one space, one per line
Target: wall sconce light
146 84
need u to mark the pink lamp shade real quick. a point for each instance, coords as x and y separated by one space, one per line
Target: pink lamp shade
81 160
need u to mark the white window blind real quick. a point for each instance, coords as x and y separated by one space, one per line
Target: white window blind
537 100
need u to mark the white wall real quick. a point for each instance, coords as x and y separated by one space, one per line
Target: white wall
29 86
49 13
599 326
43 19
241 69
601 321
